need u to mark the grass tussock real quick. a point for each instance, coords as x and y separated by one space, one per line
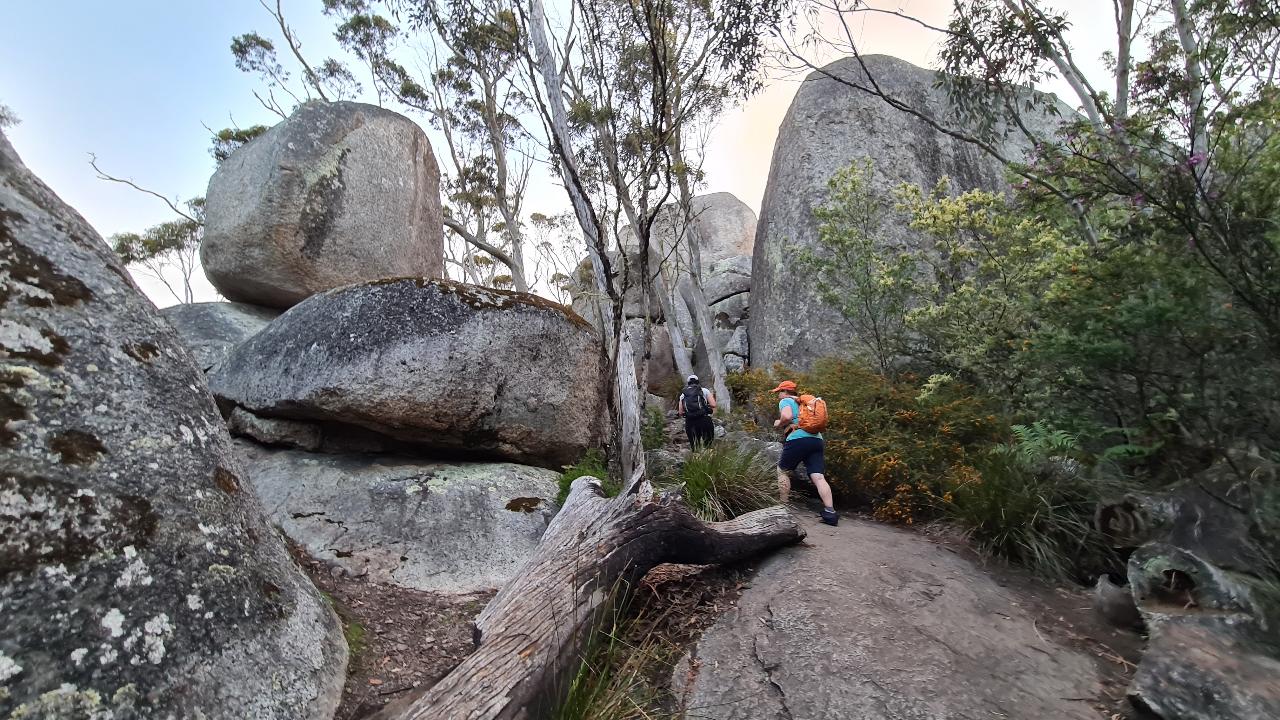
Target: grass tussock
722 482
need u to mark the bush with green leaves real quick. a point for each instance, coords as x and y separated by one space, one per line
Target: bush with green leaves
1127 339
1031 502
592 464
653 432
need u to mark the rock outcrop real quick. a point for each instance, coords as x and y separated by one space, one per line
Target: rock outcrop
138 576
726 228
210 330
662 367
828 126
444 366
901 629
425 525
339 193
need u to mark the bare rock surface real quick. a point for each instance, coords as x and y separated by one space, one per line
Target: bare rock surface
341 192
1193 672
866 621
829 125
139 577
445 527
484 374
210 330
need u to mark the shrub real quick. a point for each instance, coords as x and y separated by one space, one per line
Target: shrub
592 464
894 446
724 481
653 432
1032 503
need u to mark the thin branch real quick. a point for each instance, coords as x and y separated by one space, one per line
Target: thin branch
93 162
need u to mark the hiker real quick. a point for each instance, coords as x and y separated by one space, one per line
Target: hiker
802 446
695 406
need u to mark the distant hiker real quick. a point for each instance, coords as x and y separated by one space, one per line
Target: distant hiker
696 405
804 417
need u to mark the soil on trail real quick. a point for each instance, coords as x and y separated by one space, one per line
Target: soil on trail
401 641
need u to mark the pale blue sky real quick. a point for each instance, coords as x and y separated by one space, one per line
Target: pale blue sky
131 81
134 80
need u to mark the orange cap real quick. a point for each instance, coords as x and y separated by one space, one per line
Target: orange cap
784 385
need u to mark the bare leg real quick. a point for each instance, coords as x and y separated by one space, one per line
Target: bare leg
784 486
824 490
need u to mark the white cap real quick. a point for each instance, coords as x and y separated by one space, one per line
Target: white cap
692 378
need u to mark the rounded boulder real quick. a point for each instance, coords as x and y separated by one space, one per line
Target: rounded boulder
339 193
468 372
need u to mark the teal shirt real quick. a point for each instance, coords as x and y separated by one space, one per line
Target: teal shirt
795 417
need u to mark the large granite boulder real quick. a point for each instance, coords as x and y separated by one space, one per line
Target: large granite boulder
339 193
211 329
484 374
662 364
829 125
727 278
138 575
425 525
584 295
725 225
1189 672
898 629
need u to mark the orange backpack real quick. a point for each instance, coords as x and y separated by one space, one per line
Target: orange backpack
813 414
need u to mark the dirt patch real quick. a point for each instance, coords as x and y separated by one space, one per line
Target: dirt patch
401 641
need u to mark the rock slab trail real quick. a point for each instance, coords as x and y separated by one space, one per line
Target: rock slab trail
868 621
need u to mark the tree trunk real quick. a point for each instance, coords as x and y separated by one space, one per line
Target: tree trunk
696 300
529 637
680 350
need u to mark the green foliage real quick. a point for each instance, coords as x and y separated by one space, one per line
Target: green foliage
168 245
8 118
723 481
1129 335
1037 442
228 140
870 288
1034 510
653 432
592 464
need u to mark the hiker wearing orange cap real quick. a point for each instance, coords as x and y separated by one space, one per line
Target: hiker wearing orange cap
804 417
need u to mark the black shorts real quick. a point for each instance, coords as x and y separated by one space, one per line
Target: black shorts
807 450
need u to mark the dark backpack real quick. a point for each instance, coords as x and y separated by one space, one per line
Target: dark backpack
695 405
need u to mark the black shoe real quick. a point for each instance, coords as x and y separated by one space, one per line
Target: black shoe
830 517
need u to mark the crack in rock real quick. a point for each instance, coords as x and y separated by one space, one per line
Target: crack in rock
768 672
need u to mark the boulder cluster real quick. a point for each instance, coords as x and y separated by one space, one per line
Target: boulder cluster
725 228
395 424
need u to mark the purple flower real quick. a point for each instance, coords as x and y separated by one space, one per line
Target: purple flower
1196 158
1139 199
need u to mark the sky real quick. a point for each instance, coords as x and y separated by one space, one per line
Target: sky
136 82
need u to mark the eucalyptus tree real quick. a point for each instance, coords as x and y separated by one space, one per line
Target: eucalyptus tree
470 94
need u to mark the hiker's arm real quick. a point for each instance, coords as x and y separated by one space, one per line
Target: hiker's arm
712 398
680 407
785 413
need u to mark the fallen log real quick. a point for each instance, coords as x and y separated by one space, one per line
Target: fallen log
529 636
